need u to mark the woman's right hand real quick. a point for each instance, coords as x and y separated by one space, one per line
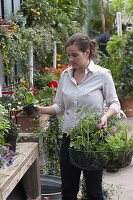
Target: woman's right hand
48 110
39 109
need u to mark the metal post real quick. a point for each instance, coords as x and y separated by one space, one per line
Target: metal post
13 6
119 24
54 55
2 9
1 75
31 65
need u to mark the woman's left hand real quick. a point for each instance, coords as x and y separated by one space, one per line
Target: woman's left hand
103 122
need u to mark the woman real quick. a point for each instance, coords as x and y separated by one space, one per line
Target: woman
83 84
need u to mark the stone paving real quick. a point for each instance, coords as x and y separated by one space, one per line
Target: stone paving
122 181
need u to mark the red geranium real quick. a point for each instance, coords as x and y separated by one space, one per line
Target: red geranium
53 84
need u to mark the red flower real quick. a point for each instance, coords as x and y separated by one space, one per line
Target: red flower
53 84
8 92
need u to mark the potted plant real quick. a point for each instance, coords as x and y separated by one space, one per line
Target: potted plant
26 119
92 148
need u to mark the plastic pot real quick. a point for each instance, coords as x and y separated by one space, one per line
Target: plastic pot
50 187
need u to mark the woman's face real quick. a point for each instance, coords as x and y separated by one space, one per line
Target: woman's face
77 58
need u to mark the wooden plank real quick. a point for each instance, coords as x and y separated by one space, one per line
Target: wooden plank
31 180
26 155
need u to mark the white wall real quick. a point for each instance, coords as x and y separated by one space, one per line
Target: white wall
16 5
7 8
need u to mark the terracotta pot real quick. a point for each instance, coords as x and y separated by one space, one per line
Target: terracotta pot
127 106
27 123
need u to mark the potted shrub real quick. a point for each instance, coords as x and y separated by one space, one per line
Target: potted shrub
92 148
120 62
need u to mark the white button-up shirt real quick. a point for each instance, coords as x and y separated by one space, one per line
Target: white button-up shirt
96 88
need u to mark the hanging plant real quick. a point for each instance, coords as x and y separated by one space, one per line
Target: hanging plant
15 47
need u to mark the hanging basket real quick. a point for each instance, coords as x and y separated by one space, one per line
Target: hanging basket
86 160
95 160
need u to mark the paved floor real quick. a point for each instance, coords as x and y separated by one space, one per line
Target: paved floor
122 182
123 179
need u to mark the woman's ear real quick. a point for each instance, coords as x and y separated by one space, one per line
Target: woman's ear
88 53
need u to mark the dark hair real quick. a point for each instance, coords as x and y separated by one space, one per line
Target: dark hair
83 42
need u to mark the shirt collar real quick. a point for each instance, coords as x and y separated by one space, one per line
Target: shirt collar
91 67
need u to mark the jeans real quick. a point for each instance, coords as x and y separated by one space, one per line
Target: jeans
70 176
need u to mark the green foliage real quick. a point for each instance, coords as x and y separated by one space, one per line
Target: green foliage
1 153
120 144
4 123
85 132
45 96
13 128
36 12
120 62
25 97
97 10
16 47
52 144
46 21
42 80
43 48
124 6
56 19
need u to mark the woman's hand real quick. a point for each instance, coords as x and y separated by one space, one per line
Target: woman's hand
110 113
39 109
103 122
49 110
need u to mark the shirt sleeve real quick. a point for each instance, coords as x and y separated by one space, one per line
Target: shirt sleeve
59 104
109 92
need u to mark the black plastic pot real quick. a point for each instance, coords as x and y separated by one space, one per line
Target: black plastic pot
29 109
11 140
50 187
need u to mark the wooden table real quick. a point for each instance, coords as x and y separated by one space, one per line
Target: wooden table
26 168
